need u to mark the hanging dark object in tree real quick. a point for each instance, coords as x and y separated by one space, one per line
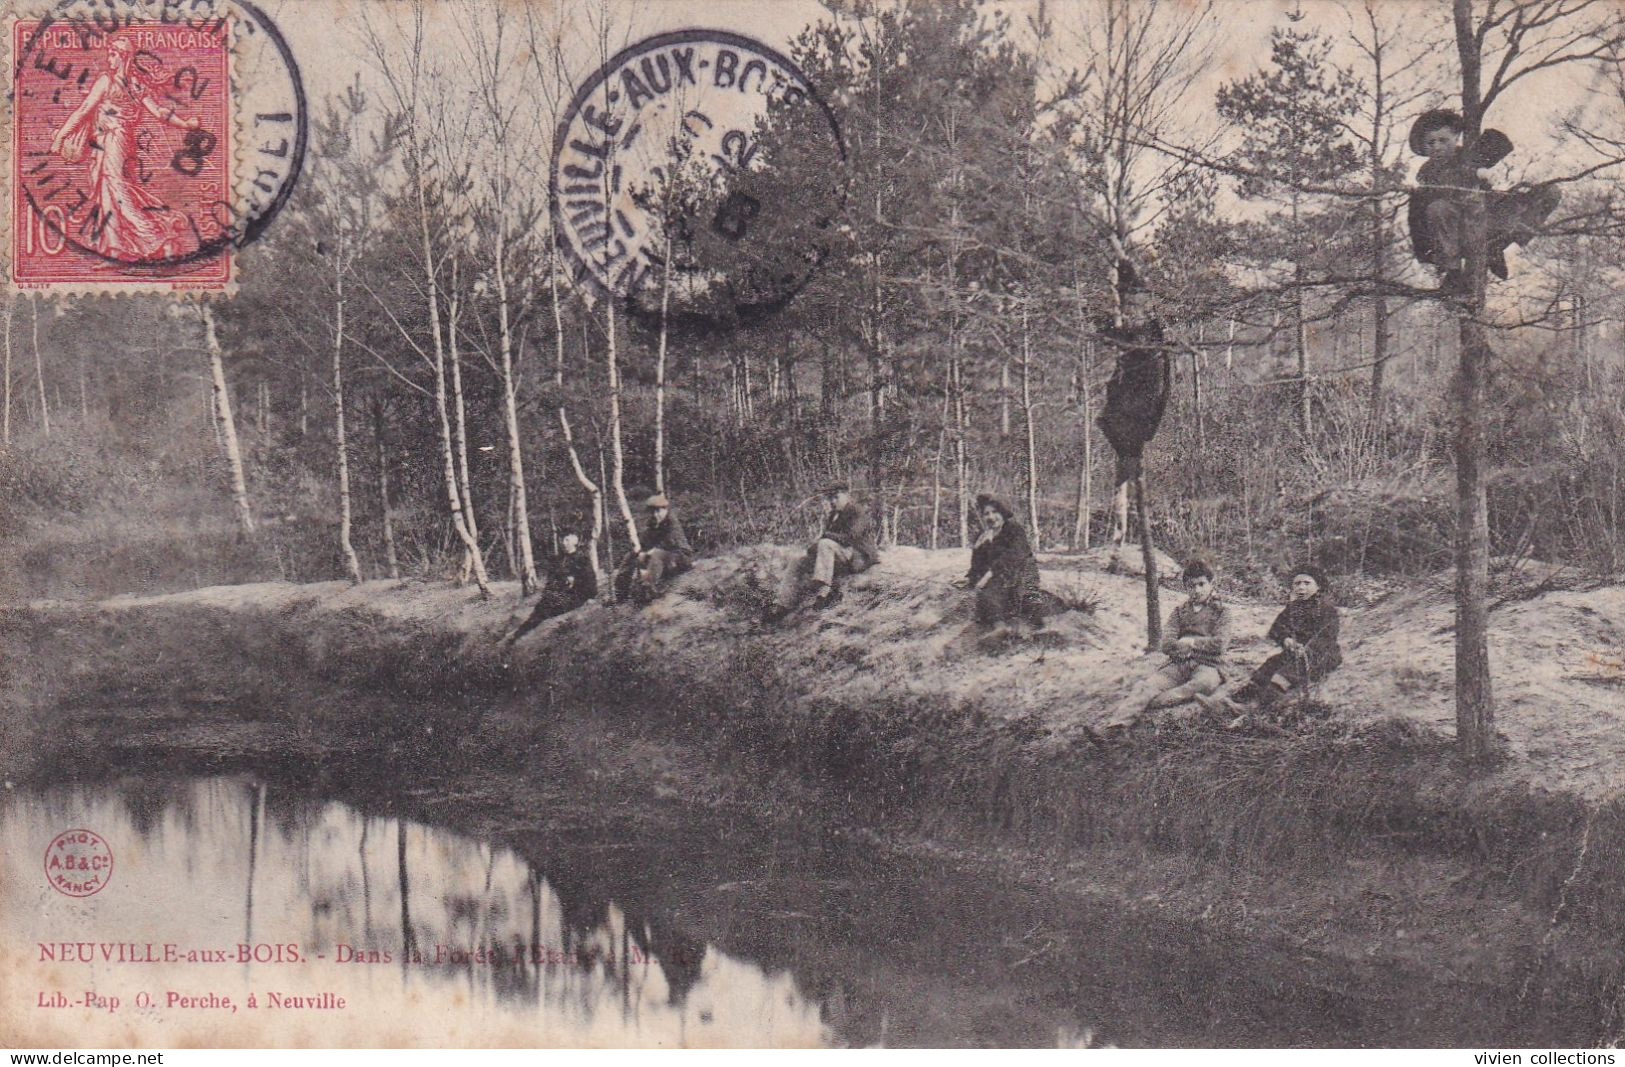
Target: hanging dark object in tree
1137 394
1136 397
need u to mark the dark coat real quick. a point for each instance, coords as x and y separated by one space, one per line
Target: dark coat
852 527
1137 394
1451 179
570 577
1314 624
667 534
1013 588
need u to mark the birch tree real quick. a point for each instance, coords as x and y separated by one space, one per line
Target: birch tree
225 424
407 74
506 88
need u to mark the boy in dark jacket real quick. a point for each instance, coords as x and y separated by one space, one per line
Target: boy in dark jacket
666 553
570 582
1438 208
1306 630
846 546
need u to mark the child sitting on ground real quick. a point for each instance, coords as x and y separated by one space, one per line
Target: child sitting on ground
1195 639
1438 207
1306 630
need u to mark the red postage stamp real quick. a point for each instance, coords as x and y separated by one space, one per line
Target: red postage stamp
121 155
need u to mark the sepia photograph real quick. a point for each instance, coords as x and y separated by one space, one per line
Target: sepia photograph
801 524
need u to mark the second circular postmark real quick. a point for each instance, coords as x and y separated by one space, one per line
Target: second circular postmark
698 171
78 863
152 139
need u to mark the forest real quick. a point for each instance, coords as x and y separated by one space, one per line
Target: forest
411 381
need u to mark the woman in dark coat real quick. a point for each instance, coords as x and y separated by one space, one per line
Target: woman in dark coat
1003 569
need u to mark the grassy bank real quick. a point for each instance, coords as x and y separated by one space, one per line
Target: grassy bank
1359 830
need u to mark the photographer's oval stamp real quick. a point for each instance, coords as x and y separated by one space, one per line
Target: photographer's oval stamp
661 174
78 863
150 141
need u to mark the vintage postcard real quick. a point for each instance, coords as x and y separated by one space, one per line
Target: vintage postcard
812 523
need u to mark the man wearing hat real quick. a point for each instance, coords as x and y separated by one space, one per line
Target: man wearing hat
846 546
1306 630
1437 211
666 552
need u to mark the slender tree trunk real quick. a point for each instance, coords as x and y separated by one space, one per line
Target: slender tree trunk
617 449
454 497
603 479
519 502
1379 358
1475 704
1148 555
1200 459
1379 233
228 427
961 467
391 557
660 372
1081 520
351 564
39 370
460 427
1004 399
936 470
593 489
1300 341
1030 428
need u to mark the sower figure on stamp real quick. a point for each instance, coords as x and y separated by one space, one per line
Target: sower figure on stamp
569 582
1194 640
846 546
1136 395
132 223
666 553
1445 187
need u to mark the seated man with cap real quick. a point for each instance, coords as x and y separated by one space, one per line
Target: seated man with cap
665 553
846 546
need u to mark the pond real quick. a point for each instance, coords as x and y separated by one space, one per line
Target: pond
245 910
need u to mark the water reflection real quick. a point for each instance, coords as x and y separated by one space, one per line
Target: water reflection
231 889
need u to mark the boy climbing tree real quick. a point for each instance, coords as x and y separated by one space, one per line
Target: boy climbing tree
1448 180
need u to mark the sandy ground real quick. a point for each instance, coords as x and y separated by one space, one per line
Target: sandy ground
1558 658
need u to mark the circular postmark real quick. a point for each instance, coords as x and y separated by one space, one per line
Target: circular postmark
697 171
78 863
151 137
